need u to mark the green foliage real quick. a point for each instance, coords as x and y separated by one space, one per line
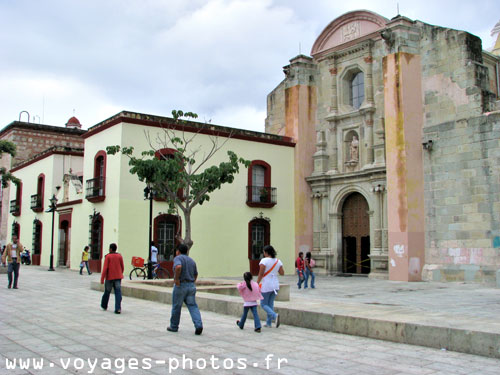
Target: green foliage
9 148
178 178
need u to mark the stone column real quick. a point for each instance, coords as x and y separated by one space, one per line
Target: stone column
405 188
333 168
334 105
369 138
378 256
320 157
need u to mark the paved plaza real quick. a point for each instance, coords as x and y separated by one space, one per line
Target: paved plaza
55 317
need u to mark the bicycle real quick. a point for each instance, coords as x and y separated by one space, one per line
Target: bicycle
140 271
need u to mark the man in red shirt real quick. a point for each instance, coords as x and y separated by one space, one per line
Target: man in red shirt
113 273
299 266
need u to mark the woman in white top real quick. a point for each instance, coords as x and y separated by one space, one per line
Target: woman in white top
270 267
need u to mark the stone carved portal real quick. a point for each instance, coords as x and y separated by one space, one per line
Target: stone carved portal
355 235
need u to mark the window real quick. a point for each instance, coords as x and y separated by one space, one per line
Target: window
166 154
15 205
95 237
16 229
96 187
259 190
37 199
37 237
258 237
167 229
357 90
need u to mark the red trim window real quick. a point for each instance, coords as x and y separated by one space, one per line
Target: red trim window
16 229
15 205
259 235
164 154
37 242
167 231
37 200
96 187
259 190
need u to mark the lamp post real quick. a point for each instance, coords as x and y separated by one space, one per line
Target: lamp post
52 208
148 194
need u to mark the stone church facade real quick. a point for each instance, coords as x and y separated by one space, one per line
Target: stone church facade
397 126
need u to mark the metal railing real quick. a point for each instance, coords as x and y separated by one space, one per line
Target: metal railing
95 188
36 202
261 194
14 207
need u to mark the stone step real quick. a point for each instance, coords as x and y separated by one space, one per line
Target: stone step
435 336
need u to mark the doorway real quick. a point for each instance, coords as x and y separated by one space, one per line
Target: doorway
63 243
355 235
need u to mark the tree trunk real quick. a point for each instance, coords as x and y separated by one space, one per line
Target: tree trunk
187 222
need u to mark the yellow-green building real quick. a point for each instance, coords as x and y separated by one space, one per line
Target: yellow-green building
100 202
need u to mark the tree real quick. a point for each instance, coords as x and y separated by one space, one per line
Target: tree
182 178
9 148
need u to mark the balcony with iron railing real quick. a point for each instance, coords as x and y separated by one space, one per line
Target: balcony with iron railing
36 203
261 196
95 189
15 208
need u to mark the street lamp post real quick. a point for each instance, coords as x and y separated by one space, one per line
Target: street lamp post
52 208
148 194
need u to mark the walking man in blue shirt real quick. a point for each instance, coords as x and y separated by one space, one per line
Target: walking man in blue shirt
185 275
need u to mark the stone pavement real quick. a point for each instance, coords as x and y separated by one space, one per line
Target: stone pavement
55 316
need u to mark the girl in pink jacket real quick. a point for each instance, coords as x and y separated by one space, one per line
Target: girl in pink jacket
250 292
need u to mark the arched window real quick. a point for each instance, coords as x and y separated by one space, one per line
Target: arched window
167 230
37 199
15 205
96 187
357 90
259 190
166 154
16 229
37 242
259 235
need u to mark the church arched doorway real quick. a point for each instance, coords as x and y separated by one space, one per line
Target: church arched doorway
355 235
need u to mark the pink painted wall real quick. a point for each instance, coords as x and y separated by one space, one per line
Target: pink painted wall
405 177
300 109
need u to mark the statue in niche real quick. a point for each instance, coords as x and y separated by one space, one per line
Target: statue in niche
354 149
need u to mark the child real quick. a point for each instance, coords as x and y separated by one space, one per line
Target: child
250 292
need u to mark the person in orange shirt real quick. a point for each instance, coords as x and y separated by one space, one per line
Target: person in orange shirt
112 272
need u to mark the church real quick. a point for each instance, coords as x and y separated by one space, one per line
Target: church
397 125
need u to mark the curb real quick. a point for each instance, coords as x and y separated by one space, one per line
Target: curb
455 339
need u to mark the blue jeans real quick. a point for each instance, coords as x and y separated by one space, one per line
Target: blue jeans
185 293
117 286
256 318
309 273
13 268
86 262
299 282
268 305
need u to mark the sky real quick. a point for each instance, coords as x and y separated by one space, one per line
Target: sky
218 58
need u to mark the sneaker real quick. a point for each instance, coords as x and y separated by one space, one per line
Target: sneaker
9 286
90 273
104 308
198 331
118 312
14 287
267 326
238 324
169 329
277 320
257 330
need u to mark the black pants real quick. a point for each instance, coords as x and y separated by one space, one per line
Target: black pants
13 268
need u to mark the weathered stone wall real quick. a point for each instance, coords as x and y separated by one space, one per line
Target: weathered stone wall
456 83
275 121
462 194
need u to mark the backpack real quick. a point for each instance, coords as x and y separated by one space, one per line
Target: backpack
312 263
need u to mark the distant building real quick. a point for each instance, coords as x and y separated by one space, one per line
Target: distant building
31 139
397 126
